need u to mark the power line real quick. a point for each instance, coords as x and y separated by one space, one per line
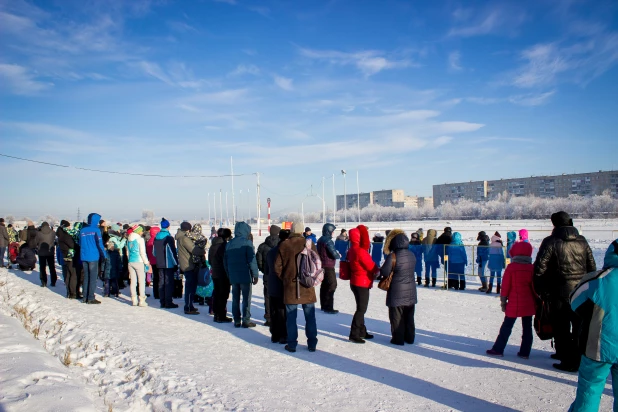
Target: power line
123 173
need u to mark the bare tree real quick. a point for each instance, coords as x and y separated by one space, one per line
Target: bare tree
10 219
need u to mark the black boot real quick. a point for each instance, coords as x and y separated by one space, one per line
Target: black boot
498 289
418 280
489 289
483 287
462 285
433 282
427 283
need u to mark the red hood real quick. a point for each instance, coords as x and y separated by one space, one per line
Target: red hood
153 232
355 236
521 249
365 243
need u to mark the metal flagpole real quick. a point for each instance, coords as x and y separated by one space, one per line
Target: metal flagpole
227 210
345 201
209 210
358 196
242 211
221 206
214 204
233 199
334 202
259 207
323 203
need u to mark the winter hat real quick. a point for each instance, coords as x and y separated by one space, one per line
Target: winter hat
523 234
415 236
44 224
64 223
343 231
307 229
284 234
138 229
1 220
164 223
185 226
126 226
561 219
226 233
379 235
496 239
521 249
497 234
448 229
115 228
297 228
274 230
30 223
481 234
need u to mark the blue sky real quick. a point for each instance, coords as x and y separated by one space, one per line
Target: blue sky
410 94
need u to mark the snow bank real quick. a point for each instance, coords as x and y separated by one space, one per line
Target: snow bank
148 359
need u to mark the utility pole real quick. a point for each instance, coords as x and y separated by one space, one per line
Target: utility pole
345 201
208 211
214 204
358 196
221 206
233 199
259 206
334 202
227 211
323 203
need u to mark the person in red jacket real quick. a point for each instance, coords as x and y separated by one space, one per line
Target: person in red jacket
362 273
153 260
518 300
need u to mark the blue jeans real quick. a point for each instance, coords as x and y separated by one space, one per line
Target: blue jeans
482 267
505 332
495 273
245 289
433 268
591 383
91 270
4 251
190 288
311 328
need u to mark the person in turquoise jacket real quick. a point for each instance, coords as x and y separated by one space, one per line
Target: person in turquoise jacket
241 267
511 238
456 263
595 300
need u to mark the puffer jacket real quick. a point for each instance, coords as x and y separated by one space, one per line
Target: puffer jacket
91 240
417 249
287 270
445 238
275 286
517 287
562 261
402 291
26 257
65 242
326 247
31 233
239 259
342 244
456 251
511 238
4 236
430 252
362 267
595 300
150 245
46 241
482 252
186 248
136 249
269 243
215 258
164 250
497 261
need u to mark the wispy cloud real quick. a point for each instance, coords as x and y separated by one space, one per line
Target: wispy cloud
284 82
19 80
176 74
369 62
497 19
243 69
231 96
529 99
181 26
454 61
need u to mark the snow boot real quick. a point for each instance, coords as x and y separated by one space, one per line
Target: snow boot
483 287
498 290
492 352
142 302
418 281
426 283
462 285
489 289
433 282
134 300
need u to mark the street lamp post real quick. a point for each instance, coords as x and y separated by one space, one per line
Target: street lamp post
345 201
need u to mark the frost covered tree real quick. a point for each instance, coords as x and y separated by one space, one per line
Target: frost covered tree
148 216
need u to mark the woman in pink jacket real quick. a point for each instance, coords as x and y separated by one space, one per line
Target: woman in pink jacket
517 299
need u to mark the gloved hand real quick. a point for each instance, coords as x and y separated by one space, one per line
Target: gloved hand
255 280
503 301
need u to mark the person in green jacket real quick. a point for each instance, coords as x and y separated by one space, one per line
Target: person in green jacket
595 300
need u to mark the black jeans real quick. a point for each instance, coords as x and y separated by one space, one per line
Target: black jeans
402 324
566 326
166 286
278 328
327 289
266 298
155 281
44 262
505 332
220 295
361 295
70 279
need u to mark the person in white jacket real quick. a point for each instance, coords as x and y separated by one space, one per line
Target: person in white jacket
138 264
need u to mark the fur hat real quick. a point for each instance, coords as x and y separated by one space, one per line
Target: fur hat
561 219
297 228
391 235
284 234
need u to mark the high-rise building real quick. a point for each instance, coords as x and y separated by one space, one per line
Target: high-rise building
583 184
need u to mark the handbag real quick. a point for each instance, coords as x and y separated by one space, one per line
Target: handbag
542 323
385 283
344 270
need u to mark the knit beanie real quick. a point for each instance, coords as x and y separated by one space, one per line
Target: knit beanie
297 228
164 223
138 229
448 229
185 226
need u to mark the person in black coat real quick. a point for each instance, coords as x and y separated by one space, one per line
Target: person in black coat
26 259
65 244
270 242
46 248
401 297
31 233
562 261
278 328
221 292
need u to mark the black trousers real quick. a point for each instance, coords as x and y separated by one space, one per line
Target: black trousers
267 309
566 326
166 286
361 295
71 279
44 262
327 289
278 318
402 324
155 281
220 295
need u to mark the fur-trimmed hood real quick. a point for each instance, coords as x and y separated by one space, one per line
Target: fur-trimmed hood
389 238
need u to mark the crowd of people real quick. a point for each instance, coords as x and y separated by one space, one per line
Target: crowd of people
583 301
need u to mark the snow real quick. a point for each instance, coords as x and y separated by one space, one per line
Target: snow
141 359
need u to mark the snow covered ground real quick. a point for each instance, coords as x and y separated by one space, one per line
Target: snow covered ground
140 359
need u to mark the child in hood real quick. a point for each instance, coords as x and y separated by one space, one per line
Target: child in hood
482 257
511 238
497 262
456 263
518 300
376 248
417 249
431 256
523 236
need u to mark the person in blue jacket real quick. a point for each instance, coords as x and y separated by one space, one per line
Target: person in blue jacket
456 262
416 248
595 300
91 251
511 238
377 246
482 257
497 262
240 265
309 235
431 257
342 244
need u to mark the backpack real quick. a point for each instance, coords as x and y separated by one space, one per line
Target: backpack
309 265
